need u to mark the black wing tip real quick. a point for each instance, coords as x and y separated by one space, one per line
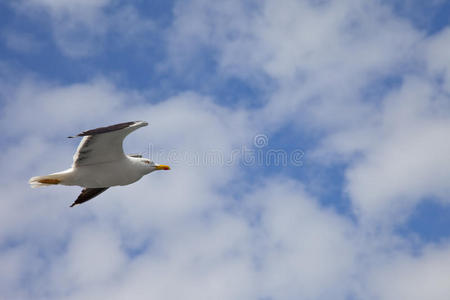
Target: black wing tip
87 194
110 128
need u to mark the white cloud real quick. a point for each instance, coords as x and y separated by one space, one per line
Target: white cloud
320 56
197 232
323 57
408 159
414 277
36 105
91 248
301 248
175 229
80 28
438 58
187 228
64 5
184 122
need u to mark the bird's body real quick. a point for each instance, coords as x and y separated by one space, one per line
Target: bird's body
121 172
99 163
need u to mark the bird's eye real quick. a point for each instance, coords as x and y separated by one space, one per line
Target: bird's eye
147 161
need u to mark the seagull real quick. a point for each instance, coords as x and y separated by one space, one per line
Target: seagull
100 163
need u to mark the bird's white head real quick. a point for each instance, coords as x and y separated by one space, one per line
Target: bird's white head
150 166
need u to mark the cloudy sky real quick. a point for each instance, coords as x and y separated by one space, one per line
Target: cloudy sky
308 140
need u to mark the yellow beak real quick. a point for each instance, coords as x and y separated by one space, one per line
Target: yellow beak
162 167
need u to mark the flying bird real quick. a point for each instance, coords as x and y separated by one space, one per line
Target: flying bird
100 163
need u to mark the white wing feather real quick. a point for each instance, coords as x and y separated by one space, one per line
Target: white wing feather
103 147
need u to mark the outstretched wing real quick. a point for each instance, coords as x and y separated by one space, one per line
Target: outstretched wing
103 144
87 194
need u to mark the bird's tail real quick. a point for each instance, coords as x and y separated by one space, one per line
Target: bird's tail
51 179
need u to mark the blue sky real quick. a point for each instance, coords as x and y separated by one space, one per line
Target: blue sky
358 90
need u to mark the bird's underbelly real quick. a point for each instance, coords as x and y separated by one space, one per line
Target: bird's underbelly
105 175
